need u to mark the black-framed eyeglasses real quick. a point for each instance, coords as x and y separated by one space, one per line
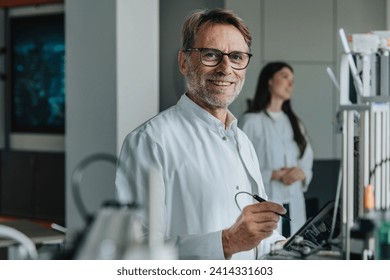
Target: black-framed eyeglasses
213 57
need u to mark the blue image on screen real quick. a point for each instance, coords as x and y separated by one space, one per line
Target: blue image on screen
38 74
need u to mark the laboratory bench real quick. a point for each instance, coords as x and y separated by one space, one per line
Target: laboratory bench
41 232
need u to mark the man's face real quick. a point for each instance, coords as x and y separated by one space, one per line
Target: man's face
214 87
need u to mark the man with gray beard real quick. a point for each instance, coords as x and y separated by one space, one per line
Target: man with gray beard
205 165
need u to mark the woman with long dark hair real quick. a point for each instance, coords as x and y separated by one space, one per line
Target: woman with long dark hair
281 143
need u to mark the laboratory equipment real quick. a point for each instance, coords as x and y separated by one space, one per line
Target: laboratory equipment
362 204
117 230
316 239
366 141
25 247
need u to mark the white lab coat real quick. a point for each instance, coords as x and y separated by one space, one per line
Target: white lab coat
200 166
272 138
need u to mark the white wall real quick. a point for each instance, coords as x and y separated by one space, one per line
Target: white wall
137 36
111 86
172 16
305 34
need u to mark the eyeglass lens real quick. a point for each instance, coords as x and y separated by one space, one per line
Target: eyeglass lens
212 57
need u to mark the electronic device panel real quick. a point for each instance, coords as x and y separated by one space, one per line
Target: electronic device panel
317 231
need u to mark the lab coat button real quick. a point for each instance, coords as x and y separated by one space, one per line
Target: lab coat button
224 138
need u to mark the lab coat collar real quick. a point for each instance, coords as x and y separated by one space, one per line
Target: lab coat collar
212 122
187 104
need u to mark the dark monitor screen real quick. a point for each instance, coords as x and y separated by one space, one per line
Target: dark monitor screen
318 229
37 85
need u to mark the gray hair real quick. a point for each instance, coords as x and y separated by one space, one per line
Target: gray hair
199 17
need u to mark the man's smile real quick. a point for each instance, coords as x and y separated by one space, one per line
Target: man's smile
220 83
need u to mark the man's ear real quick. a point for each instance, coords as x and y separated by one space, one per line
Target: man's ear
183 62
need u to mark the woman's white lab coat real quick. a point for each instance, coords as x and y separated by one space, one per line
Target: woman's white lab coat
201 166
272 138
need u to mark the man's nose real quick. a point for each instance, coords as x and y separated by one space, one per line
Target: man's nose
225 65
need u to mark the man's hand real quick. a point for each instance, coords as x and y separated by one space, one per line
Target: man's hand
255 223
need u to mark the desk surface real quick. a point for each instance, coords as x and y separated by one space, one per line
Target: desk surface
38 233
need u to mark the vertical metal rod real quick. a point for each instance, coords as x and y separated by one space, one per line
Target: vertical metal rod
378 159
387 164
372 158
384 74
374 77
344 184
383 158
366 75
350 185
348 174
344 81
364 149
